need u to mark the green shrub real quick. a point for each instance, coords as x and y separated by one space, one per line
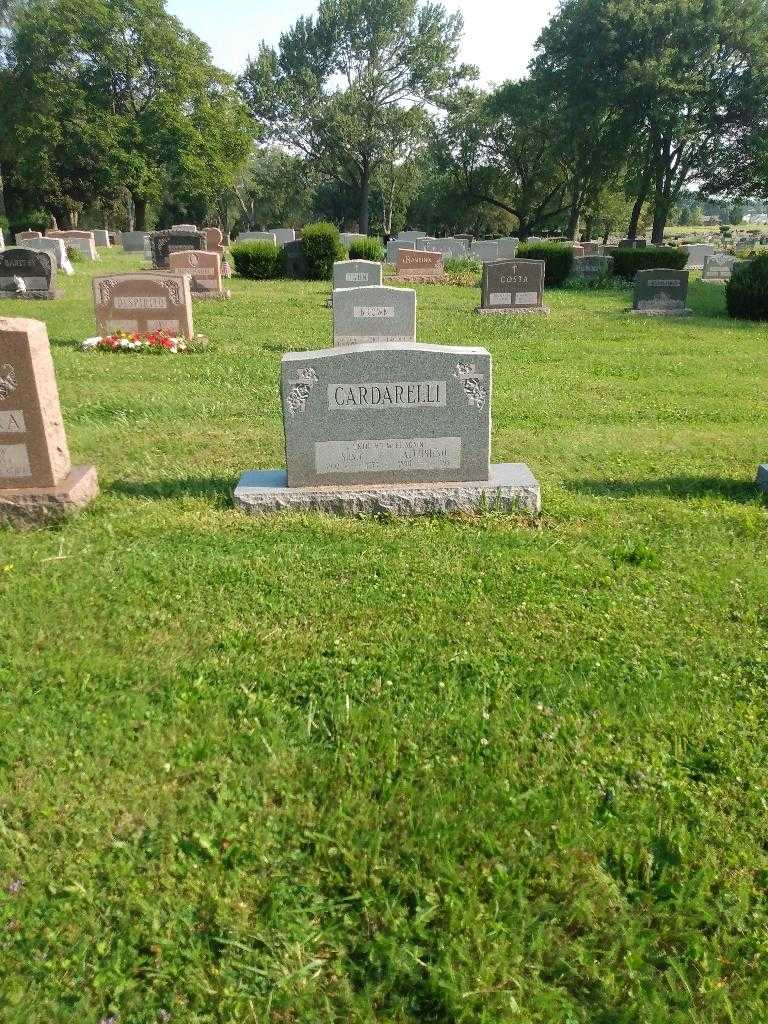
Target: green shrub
74 255
322 247
367 249
627 262
558 260
259 261
746 294
35 220
5 225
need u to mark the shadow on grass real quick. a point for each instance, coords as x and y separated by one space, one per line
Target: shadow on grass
681 487
218 490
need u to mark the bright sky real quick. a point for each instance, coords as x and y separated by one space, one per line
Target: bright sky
498 34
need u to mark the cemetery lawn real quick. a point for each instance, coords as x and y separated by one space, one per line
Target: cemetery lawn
478 770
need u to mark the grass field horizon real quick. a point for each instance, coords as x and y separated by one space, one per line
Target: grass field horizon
479 769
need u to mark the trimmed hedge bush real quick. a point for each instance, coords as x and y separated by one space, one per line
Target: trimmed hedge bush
322 247
627 262
74 255
259 261
746 294
558 260
367 249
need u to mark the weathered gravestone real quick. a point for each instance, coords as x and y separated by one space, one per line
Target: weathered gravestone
81 240
204 269
367 314
698 255
508 248
356 273
133 241
183 227
283 235
26 274
214 240
411 236
592 248
257 236
420 266
403 429
56 250
592 267
163 243
144 302
661 292
394 246
451 248
718 267
295 264
513 286
348 237
101 238
37 478
24 236
485 252
578 250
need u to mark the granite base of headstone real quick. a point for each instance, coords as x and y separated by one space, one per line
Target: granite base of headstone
762 477
38 482
383 430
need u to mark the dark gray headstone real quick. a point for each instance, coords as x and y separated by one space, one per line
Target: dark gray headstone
718 267
661 291
378 414
163 243
513 284
591 267
27 274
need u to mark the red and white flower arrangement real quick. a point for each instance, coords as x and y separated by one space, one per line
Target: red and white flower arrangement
127 341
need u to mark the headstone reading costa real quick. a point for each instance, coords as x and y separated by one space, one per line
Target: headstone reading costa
144 302
37 478
420 266
368 314
661 292
356 273
163 243
204 269
27 274
718 267
403 429
56 250
513 286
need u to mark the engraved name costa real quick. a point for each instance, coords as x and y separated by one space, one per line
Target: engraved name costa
402 394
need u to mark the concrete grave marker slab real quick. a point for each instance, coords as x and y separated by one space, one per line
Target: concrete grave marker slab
401 429
513 286
698 255
81 240
27 274
718 267
373 314
661 292
204 269
143 303
37 479
163 243
508 248
56 250
420 266
133 241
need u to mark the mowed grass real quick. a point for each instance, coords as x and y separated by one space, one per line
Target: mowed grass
482 770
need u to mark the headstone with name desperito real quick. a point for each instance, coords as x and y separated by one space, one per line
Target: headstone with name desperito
401 429
661 292
373 314
513 286
144 302
37 479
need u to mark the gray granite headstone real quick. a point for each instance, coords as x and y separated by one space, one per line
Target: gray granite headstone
356 273
133 241
508 248
718 267
27 274
257 236
698 255
661 291
451 248
591 267
373 314
56 250
379 414
485 252
348 237
394 246
513 284
283 235
101 238
411 236
295 264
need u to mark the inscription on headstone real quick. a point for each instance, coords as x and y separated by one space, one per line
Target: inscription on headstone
163 243
718 267
373 314
143 303
418 265
591 267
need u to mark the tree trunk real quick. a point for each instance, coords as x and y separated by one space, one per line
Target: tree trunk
589 225
365 200
572 231
608 230
634 220
141 214
2 194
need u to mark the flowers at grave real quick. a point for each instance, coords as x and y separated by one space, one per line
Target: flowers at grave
134 341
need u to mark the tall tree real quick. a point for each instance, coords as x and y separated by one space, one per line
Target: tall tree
347 81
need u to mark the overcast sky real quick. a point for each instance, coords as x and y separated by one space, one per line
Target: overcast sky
498 34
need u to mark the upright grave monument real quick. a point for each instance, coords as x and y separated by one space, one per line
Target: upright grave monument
411 236
394 246
257 236
144 302
718 267
295 264
698 255
513 286
81 240
485 252
661 292
283 235
56 250
204 270
27 274
37 479
133 241
25 236
592 248
373 314
163 243
508 248
348 237
591 268
355 274
419 266
214 240
101 238
401 429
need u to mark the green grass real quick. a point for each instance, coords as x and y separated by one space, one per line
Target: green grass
302 769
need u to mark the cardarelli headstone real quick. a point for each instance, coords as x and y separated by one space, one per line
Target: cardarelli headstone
513 286
367 314
661 292
204 269
144 302
403 429
420 266
37 479
27 274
